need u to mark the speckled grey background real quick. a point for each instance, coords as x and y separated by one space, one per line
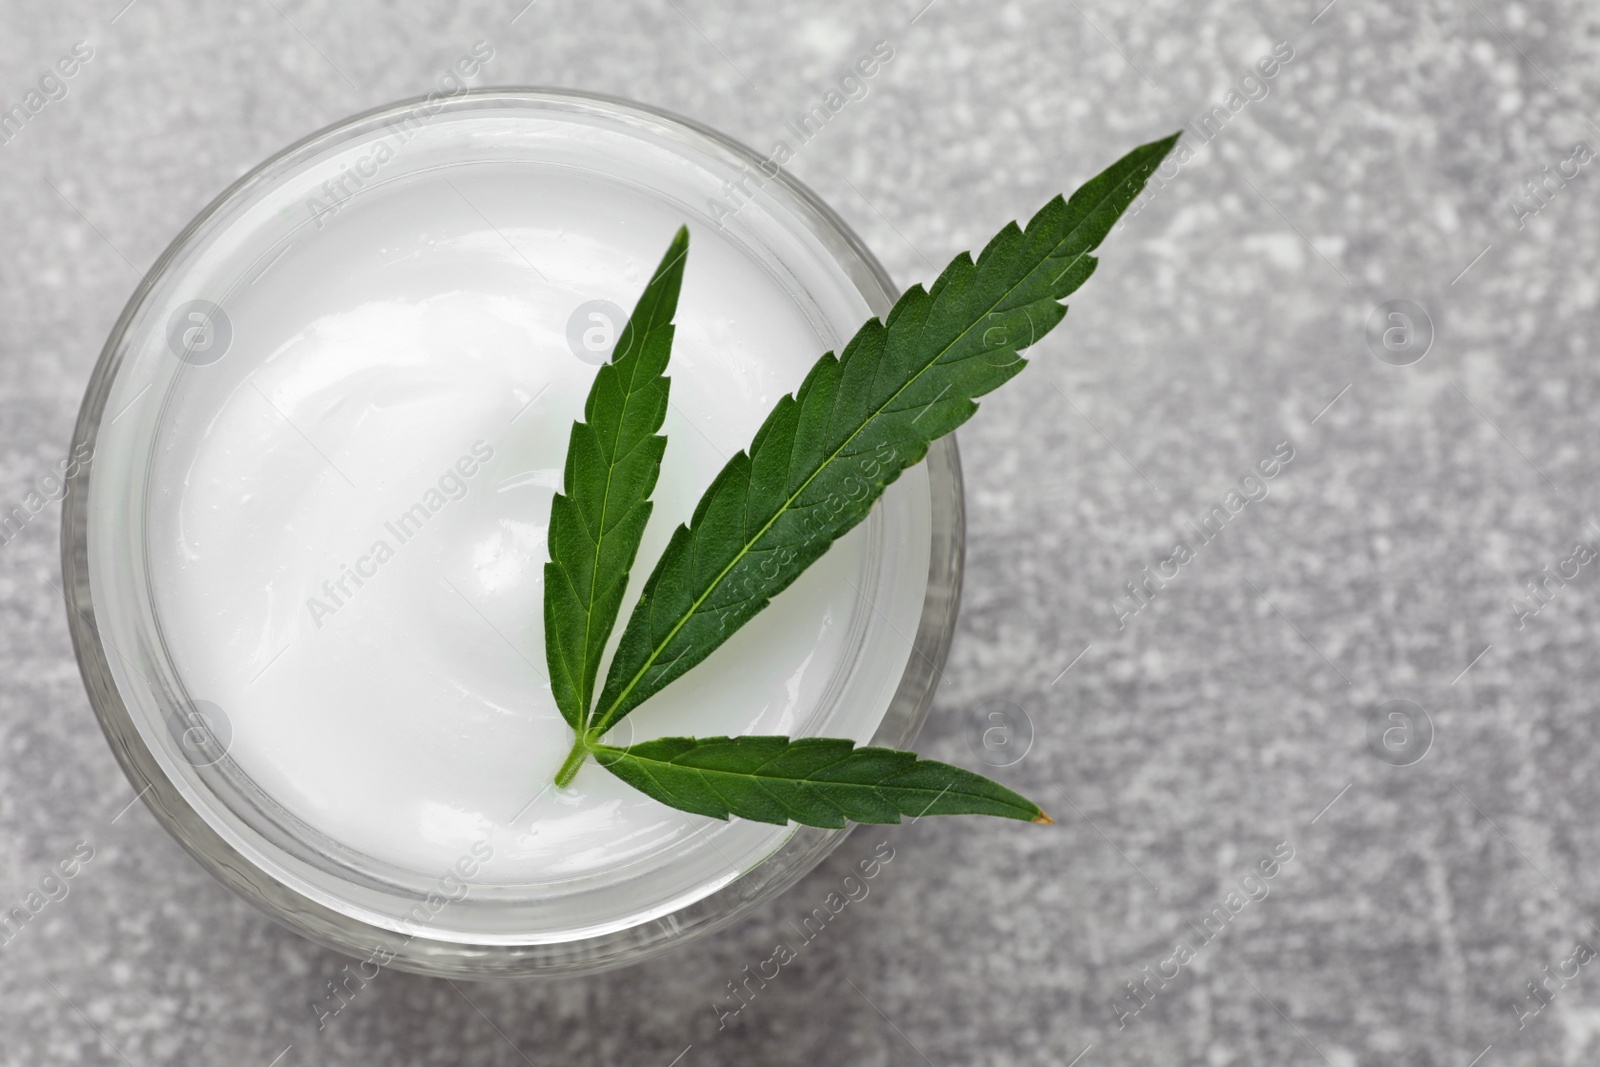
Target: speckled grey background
1384 161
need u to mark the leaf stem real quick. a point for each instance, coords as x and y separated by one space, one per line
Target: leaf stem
574 760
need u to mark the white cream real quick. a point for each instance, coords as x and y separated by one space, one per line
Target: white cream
347 517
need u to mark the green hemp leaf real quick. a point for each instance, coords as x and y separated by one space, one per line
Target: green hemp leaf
817 781
613 459
815 469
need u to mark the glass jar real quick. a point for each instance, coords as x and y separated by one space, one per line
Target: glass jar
212 319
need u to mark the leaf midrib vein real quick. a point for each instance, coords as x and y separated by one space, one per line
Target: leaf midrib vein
605 502
760 775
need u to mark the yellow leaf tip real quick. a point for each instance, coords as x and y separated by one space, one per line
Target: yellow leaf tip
1044 820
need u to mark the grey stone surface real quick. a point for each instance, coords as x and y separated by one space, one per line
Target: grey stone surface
1219 723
